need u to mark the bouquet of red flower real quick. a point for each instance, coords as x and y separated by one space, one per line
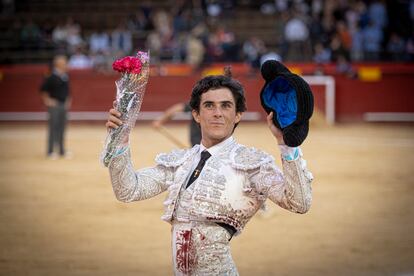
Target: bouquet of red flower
130 89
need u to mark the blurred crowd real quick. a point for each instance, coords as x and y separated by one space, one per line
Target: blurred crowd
198 33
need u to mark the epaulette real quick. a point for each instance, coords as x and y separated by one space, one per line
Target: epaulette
247 158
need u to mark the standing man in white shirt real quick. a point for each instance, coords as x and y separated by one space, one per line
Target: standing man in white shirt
216 187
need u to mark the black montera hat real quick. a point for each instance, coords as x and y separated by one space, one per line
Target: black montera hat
291 100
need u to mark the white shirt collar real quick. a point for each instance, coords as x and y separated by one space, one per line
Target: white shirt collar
218 147
63 76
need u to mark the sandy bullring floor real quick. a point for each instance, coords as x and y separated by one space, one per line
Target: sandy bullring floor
61 218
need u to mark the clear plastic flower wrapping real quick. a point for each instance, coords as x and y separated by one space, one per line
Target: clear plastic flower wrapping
130 90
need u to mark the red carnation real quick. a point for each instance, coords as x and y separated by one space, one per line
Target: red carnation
127 62
137 65
128 65
118 66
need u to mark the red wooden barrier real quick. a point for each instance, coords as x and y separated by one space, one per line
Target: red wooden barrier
393 92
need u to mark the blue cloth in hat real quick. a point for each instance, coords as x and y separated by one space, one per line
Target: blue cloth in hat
290 99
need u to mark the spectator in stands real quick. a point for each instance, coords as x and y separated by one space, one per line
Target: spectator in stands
99 41
316 8
213 8
357 46
268 8
377 13
194 51
317 31
121 39
59 34
322 54
154 45
279 38
102 62
344 35
362 11
343 66
201 31
352 17
164 32
228 44
396 47
253 48
197 12
214 51
186 43
56 97
337 48
30 34
281 5
372 38
409 48
299 26
139 22
297 35
79 60
182 21
46 33
73 35
163 25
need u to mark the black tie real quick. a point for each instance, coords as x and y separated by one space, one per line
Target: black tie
204 156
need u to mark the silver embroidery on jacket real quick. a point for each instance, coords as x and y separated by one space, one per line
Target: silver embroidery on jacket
232 186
